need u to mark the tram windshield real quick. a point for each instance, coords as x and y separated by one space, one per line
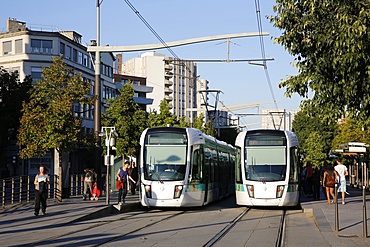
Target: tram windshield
265 163
165 156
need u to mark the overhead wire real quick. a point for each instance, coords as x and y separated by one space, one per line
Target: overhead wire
157 35
263 53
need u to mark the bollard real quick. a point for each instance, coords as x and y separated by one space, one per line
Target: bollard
364 219
336 208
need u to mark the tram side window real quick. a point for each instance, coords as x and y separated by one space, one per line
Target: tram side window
294 175
238 167
195 164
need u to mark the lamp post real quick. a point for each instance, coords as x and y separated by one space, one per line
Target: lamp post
108 132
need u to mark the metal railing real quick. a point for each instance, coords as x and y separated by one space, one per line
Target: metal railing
21 189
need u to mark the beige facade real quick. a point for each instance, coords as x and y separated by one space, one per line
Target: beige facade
172 80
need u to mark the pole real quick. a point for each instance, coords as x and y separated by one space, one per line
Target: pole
97 103
336 208
97 91
364 216
107 143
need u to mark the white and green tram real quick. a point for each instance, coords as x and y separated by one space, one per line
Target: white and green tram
183 167
267 168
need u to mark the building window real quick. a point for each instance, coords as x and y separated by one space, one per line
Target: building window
79 57
74 55
86 60
7 48
36 73
18 46
41 46
68 52
62 48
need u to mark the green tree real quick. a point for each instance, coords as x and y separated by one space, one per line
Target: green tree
316 153
48 121
307 128
163 118
350 130
330 42
128 119
12 93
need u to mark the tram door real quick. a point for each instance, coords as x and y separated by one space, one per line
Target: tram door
206 175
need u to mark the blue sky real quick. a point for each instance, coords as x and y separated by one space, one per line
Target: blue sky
241 83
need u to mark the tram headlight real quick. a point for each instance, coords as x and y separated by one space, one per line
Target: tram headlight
178 190
279 191
148 191
250 189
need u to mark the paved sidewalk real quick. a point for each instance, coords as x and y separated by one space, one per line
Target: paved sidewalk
352 230
20 226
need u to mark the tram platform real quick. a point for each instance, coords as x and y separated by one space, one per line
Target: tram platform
20 226
350 229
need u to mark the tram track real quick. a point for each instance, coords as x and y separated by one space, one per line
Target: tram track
99 224
224 231
215 225
281 232
137 229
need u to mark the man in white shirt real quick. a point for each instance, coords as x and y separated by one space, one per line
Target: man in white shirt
342 172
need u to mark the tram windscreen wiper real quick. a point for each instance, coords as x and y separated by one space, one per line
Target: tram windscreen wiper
159 177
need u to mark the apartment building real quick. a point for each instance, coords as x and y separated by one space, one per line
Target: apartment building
27 50
138 83
172 80
277 118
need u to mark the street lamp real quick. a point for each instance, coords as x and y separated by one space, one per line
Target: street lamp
109 133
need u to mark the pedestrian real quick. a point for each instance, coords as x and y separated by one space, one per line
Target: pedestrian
330 178
316 184
42 179
134 174
322 170
309 178
303 180
88 184
342 173
122 174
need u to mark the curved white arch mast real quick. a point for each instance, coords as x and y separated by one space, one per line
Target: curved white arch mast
133 48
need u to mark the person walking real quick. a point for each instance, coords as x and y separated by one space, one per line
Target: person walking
134 174
330 178
42 179
309 179
342 172
316 184
88 184
122 174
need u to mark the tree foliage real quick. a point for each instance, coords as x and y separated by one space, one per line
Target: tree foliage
350 130
48 121
315 150
128 119
315 137
330 42
163 118
12 93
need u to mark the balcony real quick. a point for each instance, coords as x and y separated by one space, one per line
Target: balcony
168 74
168 83
168 67
168 98
168 90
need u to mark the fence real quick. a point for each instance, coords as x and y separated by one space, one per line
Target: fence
18 190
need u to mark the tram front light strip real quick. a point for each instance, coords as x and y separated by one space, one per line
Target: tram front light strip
177 192
279 191
250 189
148 191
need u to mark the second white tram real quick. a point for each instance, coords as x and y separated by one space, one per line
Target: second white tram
267 168
182 167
